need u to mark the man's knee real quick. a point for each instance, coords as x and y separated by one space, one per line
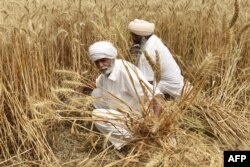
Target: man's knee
98 112
96 92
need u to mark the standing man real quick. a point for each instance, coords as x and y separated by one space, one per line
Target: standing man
121 95
171 82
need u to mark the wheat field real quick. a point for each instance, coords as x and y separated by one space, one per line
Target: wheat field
44 121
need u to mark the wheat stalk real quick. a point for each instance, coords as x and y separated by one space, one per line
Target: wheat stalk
155 65
156 160
241 31
236 14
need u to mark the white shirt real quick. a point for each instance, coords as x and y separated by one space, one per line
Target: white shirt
171 77
122 88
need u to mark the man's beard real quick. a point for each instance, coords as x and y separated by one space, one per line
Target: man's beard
107 70
141 42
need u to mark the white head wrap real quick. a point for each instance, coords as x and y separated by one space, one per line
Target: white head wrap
102 49
141 27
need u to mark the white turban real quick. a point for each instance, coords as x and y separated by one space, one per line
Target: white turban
141 27
102 49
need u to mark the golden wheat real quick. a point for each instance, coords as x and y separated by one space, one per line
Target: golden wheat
155 65
236 14
44 121
156 160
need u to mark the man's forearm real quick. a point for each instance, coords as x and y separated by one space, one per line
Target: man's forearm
87 88
157 105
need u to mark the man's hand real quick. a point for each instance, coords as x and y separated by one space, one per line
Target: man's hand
157 105
85 89
136 50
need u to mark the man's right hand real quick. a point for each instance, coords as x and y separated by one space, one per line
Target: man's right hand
136 50
85 89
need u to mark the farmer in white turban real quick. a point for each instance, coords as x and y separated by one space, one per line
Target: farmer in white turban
121 90
171 82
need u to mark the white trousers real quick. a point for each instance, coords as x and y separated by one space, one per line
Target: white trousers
110 121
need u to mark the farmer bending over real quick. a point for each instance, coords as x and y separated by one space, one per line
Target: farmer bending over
171 81
120 95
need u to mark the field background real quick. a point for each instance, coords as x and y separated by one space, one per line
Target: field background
43 59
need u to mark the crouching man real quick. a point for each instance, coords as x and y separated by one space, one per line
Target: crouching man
122 93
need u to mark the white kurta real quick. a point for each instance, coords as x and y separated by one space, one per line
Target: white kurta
122 90
172 80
